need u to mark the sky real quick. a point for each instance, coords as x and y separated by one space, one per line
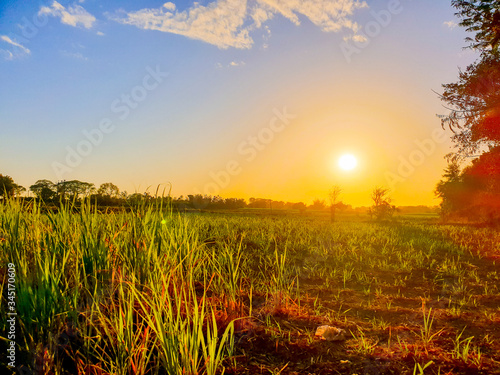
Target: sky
256 98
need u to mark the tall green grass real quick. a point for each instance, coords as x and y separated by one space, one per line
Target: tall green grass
133 284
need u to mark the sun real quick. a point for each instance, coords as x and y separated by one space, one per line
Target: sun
348 162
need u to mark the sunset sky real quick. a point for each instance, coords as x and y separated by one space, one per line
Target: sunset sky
256 98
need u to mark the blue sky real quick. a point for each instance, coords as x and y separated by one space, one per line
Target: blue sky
179 87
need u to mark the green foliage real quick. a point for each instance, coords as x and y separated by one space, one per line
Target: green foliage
419 369
73 189
44 189
108 190
483 18
426 331
8 187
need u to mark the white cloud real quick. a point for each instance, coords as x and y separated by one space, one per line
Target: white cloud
228 23
219 23
327 14
100 33
169 6
5 38
236 63
232 64
18 51
261 15
75 55
74 15
450 24
358 38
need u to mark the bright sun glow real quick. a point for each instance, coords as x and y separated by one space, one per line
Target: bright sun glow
348 162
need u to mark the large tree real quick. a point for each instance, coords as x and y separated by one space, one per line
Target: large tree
8 187
109 190
44 190
473 192
74 188
474 103
450 190
483 18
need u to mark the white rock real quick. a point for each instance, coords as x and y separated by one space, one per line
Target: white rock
330 333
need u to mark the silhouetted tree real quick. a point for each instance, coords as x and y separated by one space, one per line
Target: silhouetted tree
474 102
473 192
73 189
234 203
108 190
318 204
44 190
341 206
108 194
382 208
450 190
299 206
333 196
8 188
483 18
258 203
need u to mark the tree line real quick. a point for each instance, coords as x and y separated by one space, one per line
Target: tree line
109 195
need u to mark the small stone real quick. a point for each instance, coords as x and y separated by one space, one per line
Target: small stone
330 333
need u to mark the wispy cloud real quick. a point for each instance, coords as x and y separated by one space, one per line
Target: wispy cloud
18 49
329 15
450 24
236 63
228 23
358 38
5 38
232 64
75 15
219 23
75 55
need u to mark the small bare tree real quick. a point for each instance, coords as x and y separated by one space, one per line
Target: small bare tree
382 208
334 195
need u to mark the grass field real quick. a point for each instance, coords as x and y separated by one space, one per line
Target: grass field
156 292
